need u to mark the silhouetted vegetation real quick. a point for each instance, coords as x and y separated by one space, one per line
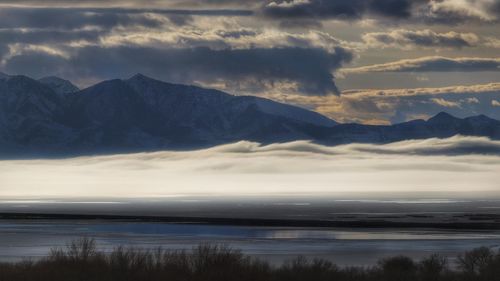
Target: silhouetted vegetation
81 261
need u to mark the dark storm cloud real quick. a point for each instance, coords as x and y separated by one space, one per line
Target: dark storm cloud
392 8
311 68
36 36
180 20
300 23
39 43
132 3
295 12
236 33
352 9
418 11
72 18
420 38
35 64
277 8
219 3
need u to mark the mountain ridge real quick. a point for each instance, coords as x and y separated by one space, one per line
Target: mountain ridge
59 85
144 114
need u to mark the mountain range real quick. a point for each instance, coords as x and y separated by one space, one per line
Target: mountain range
52 117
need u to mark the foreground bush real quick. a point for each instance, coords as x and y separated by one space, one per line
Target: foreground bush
81 261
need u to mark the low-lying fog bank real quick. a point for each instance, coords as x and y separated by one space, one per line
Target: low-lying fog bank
458 166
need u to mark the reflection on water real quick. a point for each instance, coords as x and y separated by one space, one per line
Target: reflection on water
389 234
352 247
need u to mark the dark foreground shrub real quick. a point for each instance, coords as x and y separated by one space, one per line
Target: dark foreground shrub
433 268
302 269
398 268
82 261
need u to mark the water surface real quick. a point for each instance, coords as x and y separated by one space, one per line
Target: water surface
21 239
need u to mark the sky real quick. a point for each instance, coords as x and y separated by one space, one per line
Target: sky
367 61
457 167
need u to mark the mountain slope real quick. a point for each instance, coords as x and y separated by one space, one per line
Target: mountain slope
59 85
29 114
167 97
443 125
143 114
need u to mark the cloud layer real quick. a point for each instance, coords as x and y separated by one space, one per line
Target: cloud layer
339 9
407 39
430 64
310 69
91 44
432 12
246 168
400 105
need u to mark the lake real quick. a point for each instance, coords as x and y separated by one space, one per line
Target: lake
33 239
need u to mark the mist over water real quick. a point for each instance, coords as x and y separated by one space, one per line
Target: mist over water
459 167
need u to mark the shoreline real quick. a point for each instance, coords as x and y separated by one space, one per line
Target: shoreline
491 224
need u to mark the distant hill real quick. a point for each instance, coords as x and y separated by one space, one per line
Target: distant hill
52 117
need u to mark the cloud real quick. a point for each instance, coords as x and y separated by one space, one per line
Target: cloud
472 100
445 103
455 11
77 27
399 105
434 146
46 37
133 3
37 29
74 18
304 12
223 38
456 145
169 44
430 12
237 34
338 9
310 69
492 42
430 64
408 39
300 168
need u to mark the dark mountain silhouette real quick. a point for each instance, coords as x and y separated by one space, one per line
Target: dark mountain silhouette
59 85
51 117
